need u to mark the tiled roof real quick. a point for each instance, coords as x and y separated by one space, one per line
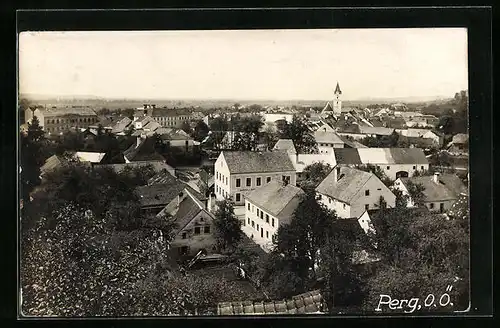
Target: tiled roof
158 194
253 162
188 209
408 156
165 177
327 137
277 199
307 303
449 187
157 165
143 152
305 160
416 133
347 156
164 112
60 111
347 185
376 130
121 125
285 144
151 125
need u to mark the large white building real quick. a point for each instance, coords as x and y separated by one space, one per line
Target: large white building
239 172
267 208
350 192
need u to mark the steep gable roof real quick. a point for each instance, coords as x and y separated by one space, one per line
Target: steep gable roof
158 194
347 185
460 138
285 144
277 199
189 207
347 156
253 162
51 164
143 152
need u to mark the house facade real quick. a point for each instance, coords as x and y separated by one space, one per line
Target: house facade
394 162
59 120
440 192
239 172
171 118
350 192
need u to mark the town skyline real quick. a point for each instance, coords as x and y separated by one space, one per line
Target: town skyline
245 65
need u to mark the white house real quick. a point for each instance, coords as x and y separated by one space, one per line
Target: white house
440 192
273 117
239 172
267 208
351 191
327 141
394 162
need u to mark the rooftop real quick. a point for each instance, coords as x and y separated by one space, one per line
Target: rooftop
277 199
449 187
285 144
158 194
327 137
61 111
307 303
253 162
347 185
367 155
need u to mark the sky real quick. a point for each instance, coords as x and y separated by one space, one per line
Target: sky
245 64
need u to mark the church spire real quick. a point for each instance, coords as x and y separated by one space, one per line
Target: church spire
337 89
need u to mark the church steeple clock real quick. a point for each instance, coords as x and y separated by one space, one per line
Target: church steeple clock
337 102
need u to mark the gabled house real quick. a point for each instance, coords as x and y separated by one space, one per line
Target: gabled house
194 226
239 172
432 137
286 145
267 208
394 162
441 191
349 192
121 126
327 141
142 150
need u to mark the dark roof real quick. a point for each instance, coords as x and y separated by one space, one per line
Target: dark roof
449 187
310 302
252 162
347 156
158 194
408 156
145 151
166 178
347 185
277 199
188 209
337 89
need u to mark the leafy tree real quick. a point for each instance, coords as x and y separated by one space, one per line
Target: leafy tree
379 173
227 226
74 266
416 193
32 158
200 131
186 127
302 137
315 173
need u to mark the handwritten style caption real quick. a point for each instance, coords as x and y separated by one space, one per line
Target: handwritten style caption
414 304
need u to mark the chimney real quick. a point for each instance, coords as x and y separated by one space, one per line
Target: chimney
436 177
145 106
336 173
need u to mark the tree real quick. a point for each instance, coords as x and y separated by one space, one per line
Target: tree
315 173
379 173
186 127
300 134
416 193
435 257
200 131
75 266
227 226
32 158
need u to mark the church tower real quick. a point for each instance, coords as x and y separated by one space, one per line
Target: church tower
337 103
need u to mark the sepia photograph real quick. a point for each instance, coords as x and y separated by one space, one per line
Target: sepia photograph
243 172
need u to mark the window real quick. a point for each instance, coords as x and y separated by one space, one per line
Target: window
379 189
207 229
286 179
414 167
258 182
184 235
201 219
272 222
431 205
268 179
257 227
329 200
343 205
421 167
226 181
248 220
238 197
197 230
249 182
388 168
258 211
262 215
267 234
253 224
238 183
248 206
267 218
367 206
367 192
